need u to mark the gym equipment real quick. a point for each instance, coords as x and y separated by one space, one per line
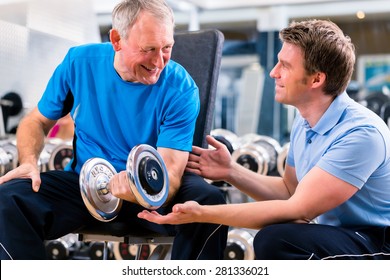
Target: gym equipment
258 153
123 251
8 155
44 157
60 156
227 137
62 248
281 162
97 250
374 101
385 113
10 105
148 180
239 245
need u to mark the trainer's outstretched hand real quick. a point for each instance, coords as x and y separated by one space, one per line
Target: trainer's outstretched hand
213 164
185 213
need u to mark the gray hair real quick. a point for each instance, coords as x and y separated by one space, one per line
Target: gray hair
126 13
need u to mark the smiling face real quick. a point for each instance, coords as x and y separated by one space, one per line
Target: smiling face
142 56
292 83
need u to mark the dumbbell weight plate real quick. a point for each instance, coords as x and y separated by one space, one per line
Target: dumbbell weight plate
123 251
239 245
226 137
273 147
148 176
57 249
10 147
5 162
60 249
60 156
96 250
100 203
252 157
282 158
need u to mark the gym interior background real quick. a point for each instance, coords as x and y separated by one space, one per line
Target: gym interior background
36 34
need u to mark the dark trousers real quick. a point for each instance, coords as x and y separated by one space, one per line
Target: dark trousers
321 242
28 218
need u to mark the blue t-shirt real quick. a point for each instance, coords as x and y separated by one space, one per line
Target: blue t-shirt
111 115
353 144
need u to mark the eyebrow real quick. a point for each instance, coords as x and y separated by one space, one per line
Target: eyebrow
285 62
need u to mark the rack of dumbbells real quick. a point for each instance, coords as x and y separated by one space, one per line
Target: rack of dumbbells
261 154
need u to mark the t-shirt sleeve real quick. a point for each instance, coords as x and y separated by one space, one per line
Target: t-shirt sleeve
52 102
351 158
178 128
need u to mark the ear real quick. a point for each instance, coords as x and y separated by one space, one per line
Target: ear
115 39
318 79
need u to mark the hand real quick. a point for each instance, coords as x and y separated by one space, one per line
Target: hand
26 170
213 164
189 212
119 186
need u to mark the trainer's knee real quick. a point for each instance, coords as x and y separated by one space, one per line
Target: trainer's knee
268 242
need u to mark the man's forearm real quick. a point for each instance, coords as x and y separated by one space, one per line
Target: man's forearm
30 140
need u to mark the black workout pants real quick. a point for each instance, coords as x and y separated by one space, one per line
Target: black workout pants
321 242
28 218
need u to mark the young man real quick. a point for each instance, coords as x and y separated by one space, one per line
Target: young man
337 170
119 95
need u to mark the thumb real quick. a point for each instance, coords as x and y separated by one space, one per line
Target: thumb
36 183
214 142
178 208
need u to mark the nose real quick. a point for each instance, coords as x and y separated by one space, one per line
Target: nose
274 72
159 59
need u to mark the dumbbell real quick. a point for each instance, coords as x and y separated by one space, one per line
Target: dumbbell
96 250
239 245
258 153
8 155
10 105
61 248
282 158
148 180
226 137
44 157
123 251
60 156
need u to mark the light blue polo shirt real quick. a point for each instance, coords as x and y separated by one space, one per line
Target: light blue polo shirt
352 143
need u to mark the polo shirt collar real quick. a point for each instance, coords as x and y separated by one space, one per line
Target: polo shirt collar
332 115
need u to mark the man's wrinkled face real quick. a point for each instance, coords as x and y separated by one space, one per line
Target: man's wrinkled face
146 50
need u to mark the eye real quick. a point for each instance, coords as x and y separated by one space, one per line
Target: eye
148 50
167 49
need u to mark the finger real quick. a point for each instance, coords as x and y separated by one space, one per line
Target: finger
214 142
196 150
146 213
178 208
193 157
193 170
192 164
